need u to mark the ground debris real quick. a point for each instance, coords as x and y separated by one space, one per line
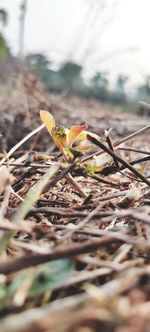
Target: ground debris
74 262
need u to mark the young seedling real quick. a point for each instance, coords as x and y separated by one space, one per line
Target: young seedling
64 138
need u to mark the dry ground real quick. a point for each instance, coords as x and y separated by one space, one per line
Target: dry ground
74 245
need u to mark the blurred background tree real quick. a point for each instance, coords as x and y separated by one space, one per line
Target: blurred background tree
100 80
143 90
3 17
70 75
39 64
3 44
6 58
121 83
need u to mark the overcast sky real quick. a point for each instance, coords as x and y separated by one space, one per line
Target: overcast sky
57 28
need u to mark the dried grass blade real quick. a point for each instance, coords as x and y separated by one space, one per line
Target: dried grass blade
31 198
17 146
34 194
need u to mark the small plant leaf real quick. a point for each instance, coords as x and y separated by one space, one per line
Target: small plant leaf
91 169
82 148
74 133
47 277
48 120
69 154
59 136
50 275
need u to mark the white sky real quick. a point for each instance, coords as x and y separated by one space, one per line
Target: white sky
53 27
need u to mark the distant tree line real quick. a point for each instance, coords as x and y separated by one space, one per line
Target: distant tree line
69 76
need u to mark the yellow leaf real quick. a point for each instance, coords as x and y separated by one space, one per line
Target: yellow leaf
48 120
82 148
83 136
59 136
74 133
